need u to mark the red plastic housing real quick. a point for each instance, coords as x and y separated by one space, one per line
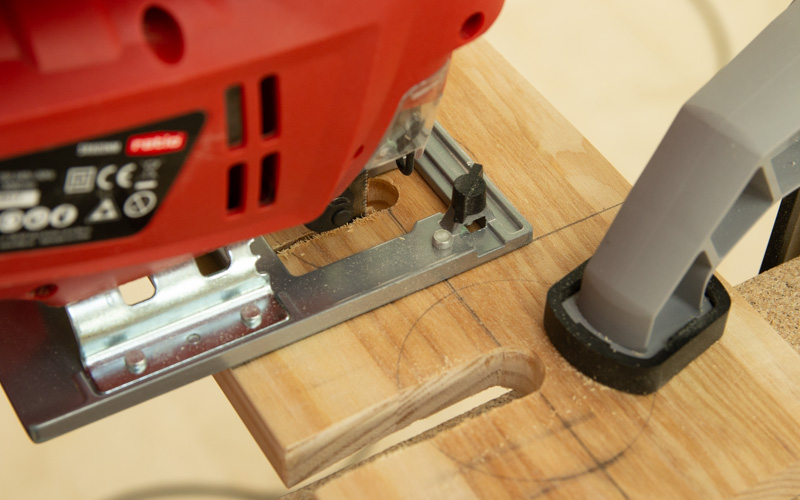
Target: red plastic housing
336 70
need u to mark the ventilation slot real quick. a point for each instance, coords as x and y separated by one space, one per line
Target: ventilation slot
269 173
236 186
269 106
235 116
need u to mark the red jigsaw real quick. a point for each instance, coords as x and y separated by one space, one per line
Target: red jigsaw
137 134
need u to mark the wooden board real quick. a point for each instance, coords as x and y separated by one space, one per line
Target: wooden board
729 424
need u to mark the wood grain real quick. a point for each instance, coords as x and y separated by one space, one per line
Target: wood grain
726 425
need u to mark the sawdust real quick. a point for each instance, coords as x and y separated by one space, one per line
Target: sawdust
305 240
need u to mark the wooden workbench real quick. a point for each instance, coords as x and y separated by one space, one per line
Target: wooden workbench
728 425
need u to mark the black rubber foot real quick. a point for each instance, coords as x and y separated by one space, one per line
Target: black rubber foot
596 359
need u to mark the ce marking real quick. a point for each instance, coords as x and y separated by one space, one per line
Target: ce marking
123 176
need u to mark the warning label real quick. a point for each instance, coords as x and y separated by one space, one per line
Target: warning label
96 189
105 211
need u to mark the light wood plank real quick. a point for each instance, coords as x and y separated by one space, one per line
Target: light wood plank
725 425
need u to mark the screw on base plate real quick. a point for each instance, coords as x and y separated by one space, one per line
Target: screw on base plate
135 361
251 315
442 239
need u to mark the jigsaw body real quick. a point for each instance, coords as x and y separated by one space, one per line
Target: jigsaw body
135 136
138 139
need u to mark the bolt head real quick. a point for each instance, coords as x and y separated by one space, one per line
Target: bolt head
442 239
135 361
251 315
342 217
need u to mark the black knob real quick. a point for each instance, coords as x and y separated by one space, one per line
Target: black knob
338 213
469 194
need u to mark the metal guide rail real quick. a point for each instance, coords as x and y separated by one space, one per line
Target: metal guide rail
65 367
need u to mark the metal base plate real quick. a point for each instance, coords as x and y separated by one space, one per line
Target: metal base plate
63 368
